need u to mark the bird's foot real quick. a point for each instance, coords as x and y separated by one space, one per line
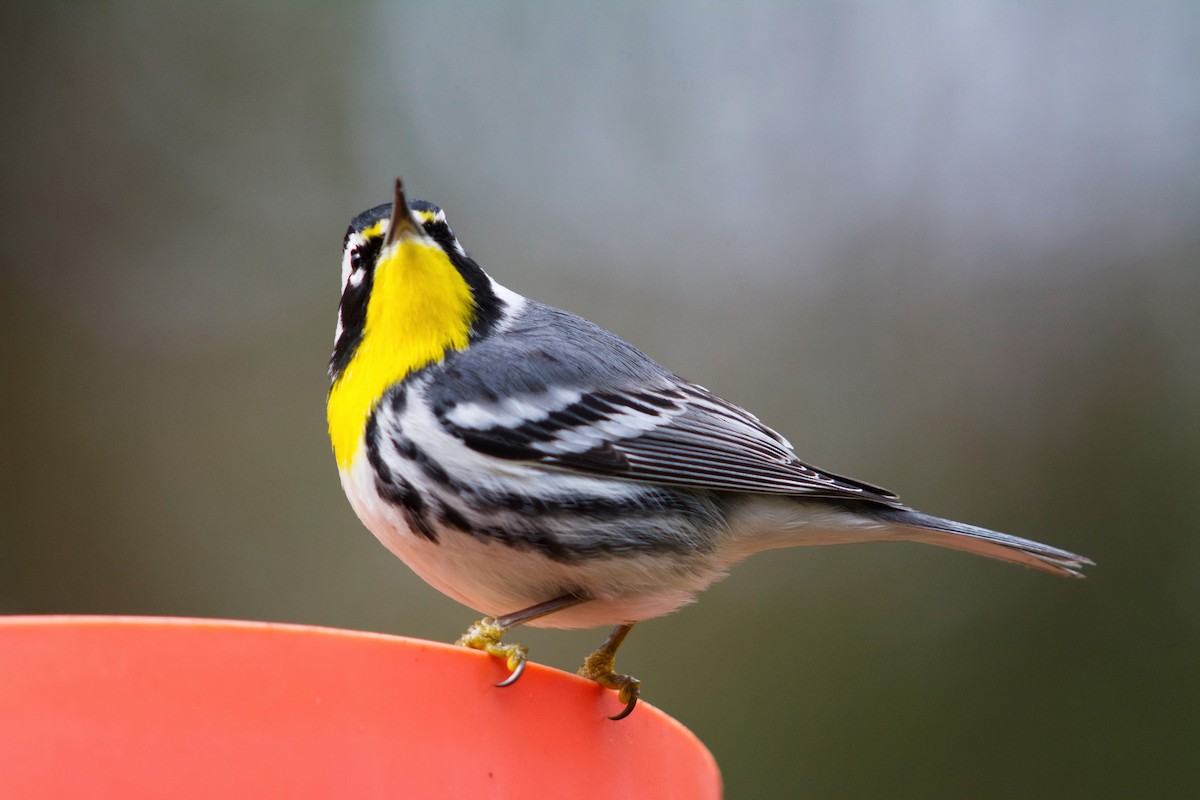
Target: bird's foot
485 635
598 667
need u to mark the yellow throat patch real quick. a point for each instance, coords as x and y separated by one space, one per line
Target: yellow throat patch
420 307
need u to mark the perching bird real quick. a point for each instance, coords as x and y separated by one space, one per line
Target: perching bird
538 469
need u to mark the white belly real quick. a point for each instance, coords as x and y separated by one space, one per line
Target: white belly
496 578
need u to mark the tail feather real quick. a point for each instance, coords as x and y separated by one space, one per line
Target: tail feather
973 539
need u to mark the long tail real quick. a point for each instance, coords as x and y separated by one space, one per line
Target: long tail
959 536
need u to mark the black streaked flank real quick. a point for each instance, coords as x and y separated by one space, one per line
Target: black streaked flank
414 511
395 489
433 470
545 539
404 445
398 399
451 516
647 501
382 471
645 510
547 543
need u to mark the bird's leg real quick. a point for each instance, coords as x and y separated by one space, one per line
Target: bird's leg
485 635
599 668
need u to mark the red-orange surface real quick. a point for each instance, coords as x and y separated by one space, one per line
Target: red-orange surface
133 708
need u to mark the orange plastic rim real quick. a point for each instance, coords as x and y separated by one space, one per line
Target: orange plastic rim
146 707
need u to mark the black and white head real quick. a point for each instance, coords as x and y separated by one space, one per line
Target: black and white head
368 236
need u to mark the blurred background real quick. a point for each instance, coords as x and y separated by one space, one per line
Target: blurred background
952 249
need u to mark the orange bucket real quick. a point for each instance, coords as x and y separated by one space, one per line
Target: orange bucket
129 707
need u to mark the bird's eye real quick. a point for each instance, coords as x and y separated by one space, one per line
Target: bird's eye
356 260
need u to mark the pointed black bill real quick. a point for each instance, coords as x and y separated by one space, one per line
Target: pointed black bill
402 220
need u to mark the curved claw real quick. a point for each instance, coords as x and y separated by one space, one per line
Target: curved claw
598 667
516 673
629 705
485 635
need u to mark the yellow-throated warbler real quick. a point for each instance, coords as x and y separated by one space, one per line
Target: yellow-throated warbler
536 468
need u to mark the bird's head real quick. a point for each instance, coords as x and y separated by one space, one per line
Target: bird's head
410 296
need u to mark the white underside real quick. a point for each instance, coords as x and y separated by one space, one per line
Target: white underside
496 579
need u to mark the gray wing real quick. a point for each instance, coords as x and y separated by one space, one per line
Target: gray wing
559 390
